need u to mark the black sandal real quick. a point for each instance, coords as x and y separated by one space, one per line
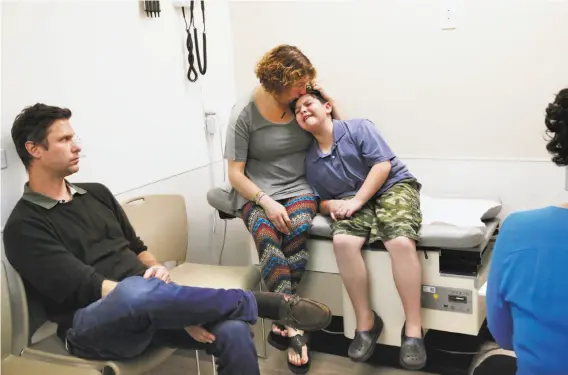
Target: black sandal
278 341
297 342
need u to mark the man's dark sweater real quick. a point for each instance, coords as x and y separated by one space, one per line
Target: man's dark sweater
64 251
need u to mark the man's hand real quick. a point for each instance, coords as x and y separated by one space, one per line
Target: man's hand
277 214
159 272
349 207
200 334
107 287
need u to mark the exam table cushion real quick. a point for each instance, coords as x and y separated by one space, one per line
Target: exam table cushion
434 232
431 235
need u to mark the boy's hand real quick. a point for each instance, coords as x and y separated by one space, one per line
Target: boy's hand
350 206
335 207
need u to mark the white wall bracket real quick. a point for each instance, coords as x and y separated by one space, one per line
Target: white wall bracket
181 3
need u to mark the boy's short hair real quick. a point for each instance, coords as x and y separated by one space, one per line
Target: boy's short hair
315 93
557 128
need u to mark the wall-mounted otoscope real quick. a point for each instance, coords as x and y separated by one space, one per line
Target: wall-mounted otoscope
192 40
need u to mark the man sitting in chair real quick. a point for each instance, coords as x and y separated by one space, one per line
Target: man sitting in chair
371 196
75 248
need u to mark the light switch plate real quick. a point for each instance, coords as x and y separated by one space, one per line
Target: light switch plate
4 161
449 14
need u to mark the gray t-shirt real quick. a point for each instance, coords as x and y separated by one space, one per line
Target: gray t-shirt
274 153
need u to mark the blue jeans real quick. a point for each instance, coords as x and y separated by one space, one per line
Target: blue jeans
140 313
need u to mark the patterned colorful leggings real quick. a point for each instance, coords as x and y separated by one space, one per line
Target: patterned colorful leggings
283 258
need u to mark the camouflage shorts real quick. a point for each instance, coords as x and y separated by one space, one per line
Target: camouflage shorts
394 214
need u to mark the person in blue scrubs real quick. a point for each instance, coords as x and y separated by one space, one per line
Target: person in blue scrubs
527 287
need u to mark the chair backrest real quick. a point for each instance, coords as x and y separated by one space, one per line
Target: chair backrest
14 295
6 317
161 222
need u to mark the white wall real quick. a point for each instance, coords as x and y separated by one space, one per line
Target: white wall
521 184
463 108
205 238
477 91
75 54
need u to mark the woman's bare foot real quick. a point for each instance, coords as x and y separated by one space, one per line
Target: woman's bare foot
293 357
281 332
278 337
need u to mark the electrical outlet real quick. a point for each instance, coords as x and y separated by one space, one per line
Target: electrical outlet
449 10
3 157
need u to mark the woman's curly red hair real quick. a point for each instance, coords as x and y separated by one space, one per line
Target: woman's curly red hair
282 67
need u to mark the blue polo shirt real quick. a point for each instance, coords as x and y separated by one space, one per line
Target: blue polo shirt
357 147
527 290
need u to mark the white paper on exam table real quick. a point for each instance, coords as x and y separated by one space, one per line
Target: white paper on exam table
460 213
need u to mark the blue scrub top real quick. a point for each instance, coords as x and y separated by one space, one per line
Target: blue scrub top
527 290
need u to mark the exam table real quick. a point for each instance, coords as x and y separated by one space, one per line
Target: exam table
457 237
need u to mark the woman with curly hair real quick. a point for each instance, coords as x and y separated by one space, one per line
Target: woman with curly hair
266 149
527 287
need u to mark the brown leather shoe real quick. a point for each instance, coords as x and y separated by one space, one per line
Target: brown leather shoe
304 314
299 313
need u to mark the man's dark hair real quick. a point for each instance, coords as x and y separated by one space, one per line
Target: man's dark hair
32 125
315 93
557 128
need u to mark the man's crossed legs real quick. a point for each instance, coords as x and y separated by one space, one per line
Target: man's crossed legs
140 313
394 218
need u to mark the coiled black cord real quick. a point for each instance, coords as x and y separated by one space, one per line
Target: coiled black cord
192 72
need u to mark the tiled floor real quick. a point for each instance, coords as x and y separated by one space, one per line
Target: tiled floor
275 364
329 365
